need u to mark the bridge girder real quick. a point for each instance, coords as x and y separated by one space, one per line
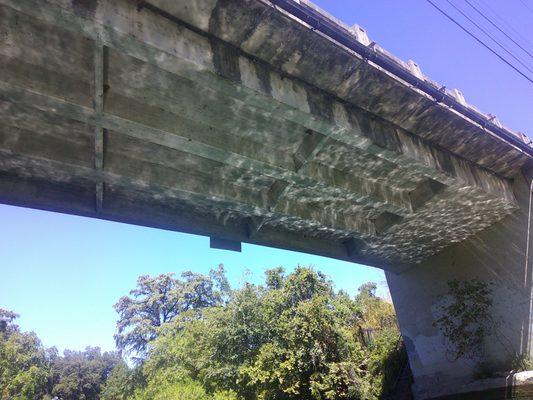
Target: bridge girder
167 116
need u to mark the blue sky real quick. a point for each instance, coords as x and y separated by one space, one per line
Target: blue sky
64 273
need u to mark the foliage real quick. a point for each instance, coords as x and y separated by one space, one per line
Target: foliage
6 320
184 390
122 382
24 367
294 338
379 331
521 362
158 300
28 371
81 375
466 319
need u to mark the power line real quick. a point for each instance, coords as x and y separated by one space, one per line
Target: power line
526 6
488 34
480 41
503 21
497 27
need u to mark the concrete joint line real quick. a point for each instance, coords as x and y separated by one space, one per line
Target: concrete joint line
100 78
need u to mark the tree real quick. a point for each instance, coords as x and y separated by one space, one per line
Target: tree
379 331
305 283
313 358
311 354
275 278
6 320
366 291
121 382
24 365
158 300
28 371
294 338
81 375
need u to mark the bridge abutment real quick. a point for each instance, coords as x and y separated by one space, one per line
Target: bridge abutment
495 256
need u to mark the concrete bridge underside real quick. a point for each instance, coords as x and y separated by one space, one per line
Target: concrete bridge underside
234 119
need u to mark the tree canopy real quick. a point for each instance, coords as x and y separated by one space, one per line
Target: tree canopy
28 371
158 300
24 366
195 338
81 375
293 338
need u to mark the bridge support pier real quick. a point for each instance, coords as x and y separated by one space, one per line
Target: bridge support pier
496 256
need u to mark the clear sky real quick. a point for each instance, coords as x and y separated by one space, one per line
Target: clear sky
64 273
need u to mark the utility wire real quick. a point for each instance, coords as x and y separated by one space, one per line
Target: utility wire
480 41
503 21
497 27
526 5
489 35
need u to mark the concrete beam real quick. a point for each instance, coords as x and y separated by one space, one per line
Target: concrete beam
55 186
157 136
184 93
100 66
187 191
293 45
168 51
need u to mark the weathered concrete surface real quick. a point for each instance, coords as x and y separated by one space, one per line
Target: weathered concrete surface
496 256
233 119
237 132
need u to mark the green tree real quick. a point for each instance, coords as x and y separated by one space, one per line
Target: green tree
28 371
81 375
294 338
158 300
275 278
312 358
378 330
311 354
122 382
24 365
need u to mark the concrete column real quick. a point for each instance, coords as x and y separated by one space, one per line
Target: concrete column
497 255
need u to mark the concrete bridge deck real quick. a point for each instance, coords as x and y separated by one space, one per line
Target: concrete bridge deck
172 114
247 121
